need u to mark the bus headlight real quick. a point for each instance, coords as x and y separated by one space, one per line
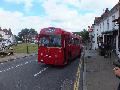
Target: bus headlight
41 54
56 56
49 56
46 55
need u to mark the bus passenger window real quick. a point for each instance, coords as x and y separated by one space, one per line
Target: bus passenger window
55 41
51 41
44 41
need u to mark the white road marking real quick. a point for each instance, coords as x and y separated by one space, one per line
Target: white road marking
4 70
7 69
26 62
15 66
40 72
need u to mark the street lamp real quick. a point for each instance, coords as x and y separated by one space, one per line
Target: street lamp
27 40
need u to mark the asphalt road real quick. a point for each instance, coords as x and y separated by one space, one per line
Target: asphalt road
27 74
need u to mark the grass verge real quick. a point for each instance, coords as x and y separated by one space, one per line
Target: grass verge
22 48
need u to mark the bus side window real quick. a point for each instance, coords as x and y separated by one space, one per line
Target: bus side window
70 41
46 42
73 41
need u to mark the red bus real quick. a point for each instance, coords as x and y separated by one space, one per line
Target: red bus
57 47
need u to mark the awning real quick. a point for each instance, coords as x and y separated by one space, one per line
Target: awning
111 32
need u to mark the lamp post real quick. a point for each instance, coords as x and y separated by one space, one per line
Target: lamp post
27 40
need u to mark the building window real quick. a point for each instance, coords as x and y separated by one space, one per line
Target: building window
113 23
100 26
103 26
108 24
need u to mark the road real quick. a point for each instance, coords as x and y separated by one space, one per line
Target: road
27 74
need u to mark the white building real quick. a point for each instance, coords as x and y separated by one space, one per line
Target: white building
105 30
7 35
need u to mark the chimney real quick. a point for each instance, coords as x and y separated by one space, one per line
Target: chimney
107 10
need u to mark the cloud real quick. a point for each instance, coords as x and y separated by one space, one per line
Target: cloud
97 5
17 21
71 20
75 19
58 14
27 3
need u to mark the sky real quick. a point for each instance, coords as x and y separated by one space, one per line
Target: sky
70 15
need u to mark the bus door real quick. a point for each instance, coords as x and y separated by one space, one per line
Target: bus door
66 48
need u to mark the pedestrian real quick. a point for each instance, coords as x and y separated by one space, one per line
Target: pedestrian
117 73
101 48
106 49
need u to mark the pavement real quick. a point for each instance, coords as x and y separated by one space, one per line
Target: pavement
98 72
14 57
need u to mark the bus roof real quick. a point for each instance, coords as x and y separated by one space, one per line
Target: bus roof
57 31
53 30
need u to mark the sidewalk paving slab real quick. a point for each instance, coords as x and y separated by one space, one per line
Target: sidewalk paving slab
98 73
14 57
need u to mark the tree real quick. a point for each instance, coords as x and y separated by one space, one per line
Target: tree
84 34
26 34
17 38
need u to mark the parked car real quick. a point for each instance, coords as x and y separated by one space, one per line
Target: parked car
36 41
19 42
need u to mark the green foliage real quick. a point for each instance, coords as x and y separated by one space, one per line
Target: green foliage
84 34
17 38
26 33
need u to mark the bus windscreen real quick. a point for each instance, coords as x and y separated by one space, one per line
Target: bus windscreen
50 41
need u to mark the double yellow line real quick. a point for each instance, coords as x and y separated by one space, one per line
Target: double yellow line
77 80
